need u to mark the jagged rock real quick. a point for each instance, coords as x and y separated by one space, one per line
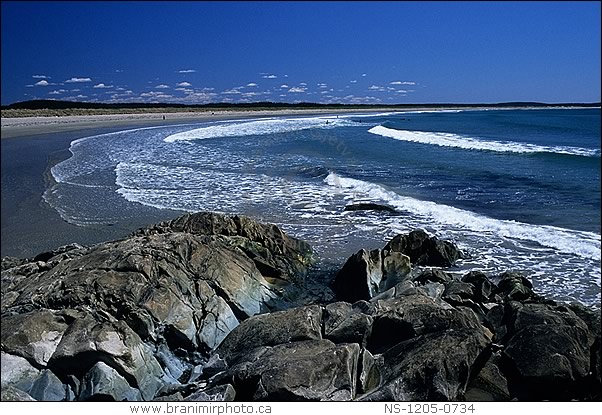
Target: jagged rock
214 365
34 335
432 275
302 323
483 288
370 206
406 317
220 393
17 371
425 250
88 341
47 387
490 384
513 286
545 361
458 293
47 256
103 383
306 370
423 368
344 324
367 273
369 376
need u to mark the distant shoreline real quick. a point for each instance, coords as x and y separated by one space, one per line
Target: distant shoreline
27 122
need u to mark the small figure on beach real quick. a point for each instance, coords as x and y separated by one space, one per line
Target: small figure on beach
164 117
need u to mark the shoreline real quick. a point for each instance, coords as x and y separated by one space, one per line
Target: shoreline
13 127
32 145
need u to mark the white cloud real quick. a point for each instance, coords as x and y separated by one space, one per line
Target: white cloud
76 80
40 77
57 92
269 76
296 89
43 82
303 84
284 86
119 70
322 85
208 89
401 91
354 81
363 74
184 84
101 85
231 91
155 94
186 71
402 83
162 86
252 84
377 88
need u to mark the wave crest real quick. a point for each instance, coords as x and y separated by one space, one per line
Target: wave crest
470 143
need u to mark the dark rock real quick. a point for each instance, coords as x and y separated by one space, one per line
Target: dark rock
344 324
456 292
513 286
490 384
425 250
432 275
47 256
103 383
369 376
483 288
370 206
214 365
406 317
313 370
545 360
302 323
423 369
367 273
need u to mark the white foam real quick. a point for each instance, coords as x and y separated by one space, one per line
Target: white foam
258 127
470 143
583 244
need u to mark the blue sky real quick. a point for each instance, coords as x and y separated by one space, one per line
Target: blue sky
348 52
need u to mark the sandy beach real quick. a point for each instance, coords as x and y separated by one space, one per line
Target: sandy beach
35 125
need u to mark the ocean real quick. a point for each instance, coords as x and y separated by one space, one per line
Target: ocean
515 189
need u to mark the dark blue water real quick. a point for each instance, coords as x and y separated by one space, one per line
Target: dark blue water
516 189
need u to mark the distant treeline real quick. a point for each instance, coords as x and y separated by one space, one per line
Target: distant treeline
61 105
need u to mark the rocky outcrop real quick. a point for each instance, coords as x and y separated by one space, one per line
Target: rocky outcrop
208 307
143 312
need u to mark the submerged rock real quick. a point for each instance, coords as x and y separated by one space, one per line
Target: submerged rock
370 206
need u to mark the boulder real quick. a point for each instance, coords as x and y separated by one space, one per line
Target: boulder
12 394
546 361
423 368
17 371
103 383
399 319
34 335
301 323
344 324
367 273
425 250
310 370
513 286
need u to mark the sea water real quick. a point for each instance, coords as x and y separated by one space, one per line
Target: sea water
515 189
